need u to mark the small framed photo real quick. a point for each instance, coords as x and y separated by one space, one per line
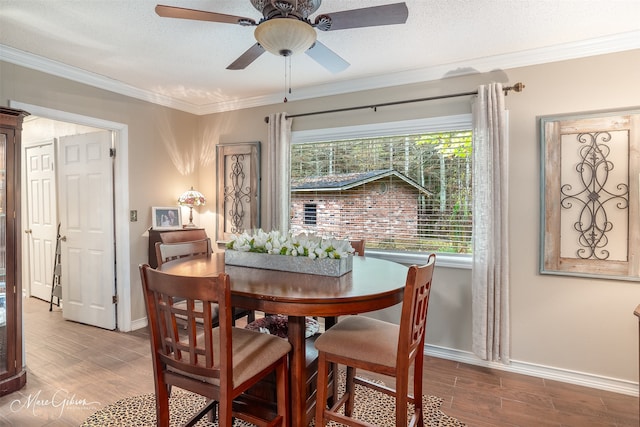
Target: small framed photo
166 218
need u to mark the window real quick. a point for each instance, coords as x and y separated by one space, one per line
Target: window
401 186
310 214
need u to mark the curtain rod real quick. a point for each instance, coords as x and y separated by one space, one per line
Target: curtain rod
518 87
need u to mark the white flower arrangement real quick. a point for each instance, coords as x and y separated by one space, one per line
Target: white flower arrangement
301 245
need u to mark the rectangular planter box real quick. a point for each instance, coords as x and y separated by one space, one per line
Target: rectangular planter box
322 267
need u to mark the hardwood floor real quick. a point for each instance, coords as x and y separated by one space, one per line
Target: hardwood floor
70 362
75 369
487 397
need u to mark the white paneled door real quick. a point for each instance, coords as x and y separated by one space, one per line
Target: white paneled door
41 216
85 182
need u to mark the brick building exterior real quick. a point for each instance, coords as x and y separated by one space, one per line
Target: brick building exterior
358 202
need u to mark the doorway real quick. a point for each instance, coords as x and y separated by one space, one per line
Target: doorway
119 205
39 240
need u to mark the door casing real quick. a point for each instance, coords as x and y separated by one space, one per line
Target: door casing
121 198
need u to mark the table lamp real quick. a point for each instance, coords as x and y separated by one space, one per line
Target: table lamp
191 198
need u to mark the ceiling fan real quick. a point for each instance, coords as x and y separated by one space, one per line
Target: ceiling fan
285 28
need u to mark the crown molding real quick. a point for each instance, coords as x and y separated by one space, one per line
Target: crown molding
603 45
58 69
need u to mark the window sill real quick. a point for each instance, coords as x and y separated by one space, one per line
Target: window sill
446 260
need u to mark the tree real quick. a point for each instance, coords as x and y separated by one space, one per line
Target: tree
440 162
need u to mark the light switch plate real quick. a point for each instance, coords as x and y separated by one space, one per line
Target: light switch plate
133 216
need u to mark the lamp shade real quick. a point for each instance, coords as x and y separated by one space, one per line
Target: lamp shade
285 36
191 198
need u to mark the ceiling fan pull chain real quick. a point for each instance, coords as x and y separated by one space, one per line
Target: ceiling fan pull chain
286 58
289 61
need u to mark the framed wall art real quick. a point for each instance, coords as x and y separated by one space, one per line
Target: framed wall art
590 192
238 188
166 218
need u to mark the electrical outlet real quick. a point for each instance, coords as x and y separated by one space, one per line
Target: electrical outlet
133 216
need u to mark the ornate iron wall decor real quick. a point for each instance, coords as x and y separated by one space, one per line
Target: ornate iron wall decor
595 197
238 188
590 195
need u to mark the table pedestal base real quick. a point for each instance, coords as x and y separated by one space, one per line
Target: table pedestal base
264 393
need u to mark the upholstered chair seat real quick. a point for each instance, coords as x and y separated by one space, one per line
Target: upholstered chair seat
363 338
252 353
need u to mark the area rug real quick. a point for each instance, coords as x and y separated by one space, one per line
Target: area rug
139 411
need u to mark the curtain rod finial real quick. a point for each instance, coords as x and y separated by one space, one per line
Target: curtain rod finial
518 87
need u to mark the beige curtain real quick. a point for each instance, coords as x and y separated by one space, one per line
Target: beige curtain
277 173
490 275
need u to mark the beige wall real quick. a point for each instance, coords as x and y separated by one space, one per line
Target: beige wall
579 324
573 324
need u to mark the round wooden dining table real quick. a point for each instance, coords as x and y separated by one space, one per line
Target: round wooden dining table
373 284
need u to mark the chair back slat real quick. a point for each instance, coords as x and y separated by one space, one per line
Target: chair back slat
415 305
170 251
191 349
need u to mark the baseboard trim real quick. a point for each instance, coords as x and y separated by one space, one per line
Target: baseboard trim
540 371
139 323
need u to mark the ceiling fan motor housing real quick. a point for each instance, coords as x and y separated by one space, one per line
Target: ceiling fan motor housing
299 8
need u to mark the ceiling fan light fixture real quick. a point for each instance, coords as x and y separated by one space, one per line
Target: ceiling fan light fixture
285 36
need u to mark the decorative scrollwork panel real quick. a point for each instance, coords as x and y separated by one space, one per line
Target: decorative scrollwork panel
590 195
594 195
238 188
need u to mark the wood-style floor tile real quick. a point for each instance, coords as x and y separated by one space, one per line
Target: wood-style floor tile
104 366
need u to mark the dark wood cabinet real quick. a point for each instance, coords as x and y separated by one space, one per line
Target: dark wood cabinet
172 236
13 375
637 313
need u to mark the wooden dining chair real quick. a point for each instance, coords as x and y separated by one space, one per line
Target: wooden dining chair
202 247
170 251
373 345
217 363
358 246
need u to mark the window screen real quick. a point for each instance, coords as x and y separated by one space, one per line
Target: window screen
407 192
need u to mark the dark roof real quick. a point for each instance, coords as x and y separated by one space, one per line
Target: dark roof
346 181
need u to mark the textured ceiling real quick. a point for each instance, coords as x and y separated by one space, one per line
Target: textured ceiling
124 46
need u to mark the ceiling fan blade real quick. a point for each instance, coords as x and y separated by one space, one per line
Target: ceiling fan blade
200 15
247 58
327 58
389 14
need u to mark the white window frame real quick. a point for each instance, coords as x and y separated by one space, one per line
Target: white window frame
427 125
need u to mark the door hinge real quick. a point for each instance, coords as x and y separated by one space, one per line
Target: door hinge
114 299
112 152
